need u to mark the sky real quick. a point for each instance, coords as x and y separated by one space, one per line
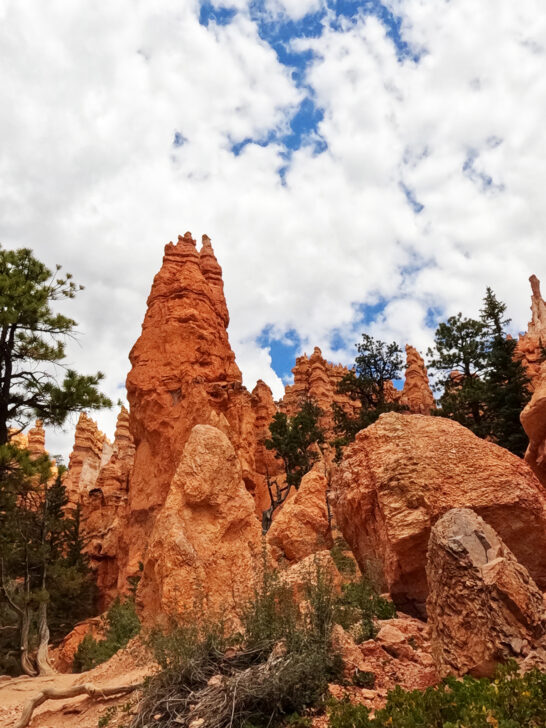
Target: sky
359 165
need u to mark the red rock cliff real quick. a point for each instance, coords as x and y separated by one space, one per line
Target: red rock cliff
91 450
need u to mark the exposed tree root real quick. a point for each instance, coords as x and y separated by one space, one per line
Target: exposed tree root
63 693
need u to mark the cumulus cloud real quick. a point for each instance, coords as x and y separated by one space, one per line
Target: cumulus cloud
120 128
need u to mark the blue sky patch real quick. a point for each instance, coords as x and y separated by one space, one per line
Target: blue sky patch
219 15
283 351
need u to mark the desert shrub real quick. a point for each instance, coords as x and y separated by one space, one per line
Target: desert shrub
511 700
345 564
277 667
123 625
359 603
364 679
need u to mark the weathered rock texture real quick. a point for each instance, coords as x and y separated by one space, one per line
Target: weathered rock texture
103 510
183 373
302 526
416 395
317 379
403 472
530 344
483 607
36 439
533 419
91 450
205 546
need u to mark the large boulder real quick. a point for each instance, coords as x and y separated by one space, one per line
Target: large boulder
533 419
405 471
483 607
302 526
205 547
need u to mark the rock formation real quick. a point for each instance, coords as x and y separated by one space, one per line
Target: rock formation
416 395
103 510
533 419
402 473
183 372
91 450
483 607
205 546
302 527
36 439
530 345
317 379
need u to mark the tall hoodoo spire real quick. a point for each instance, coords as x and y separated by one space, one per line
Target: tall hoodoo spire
530 345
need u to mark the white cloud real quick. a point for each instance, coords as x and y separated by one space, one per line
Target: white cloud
92 96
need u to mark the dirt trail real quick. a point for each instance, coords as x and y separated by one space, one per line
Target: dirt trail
128 667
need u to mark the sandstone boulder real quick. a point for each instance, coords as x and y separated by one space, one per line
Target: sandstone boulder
533 419
483 607
302 527
205 548
402 473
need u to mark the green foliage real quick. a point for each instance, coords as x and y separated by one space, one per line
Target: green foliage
40 554
32 345
489 388
123 625
359 604
376 365
346 565
510 700
364 679
278 667
105 719
292 439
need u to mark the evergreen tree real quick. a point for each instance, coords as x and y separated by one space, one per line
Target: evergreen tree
460 358
293 438
506 380
295 441
376 365
45 580
32 346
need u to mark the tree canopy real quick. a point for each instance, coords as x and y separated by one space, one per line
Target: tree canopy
376 365
32 346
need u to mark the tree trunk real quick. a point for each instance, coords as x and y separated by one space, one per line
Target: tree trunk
26 661
42 656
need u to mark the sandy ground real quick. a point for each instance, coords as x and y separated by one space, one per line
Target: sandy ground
128 667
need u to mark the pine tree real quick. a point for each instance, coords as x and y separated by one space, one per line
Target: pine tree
506 380
45 584
32 346
376 365
460 359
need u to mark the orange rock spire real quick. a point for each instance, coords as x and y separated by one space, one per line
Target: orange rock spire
530 345
416 395
183 374
91 450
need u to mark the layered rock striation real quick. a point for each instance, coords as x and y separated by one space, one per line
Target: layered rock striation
91 450
318 380
483 607
403 472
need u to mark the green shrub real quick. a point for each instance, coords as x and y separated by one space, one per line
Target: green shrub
345 564
279 666
510 700
364 679
123 625
359 604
